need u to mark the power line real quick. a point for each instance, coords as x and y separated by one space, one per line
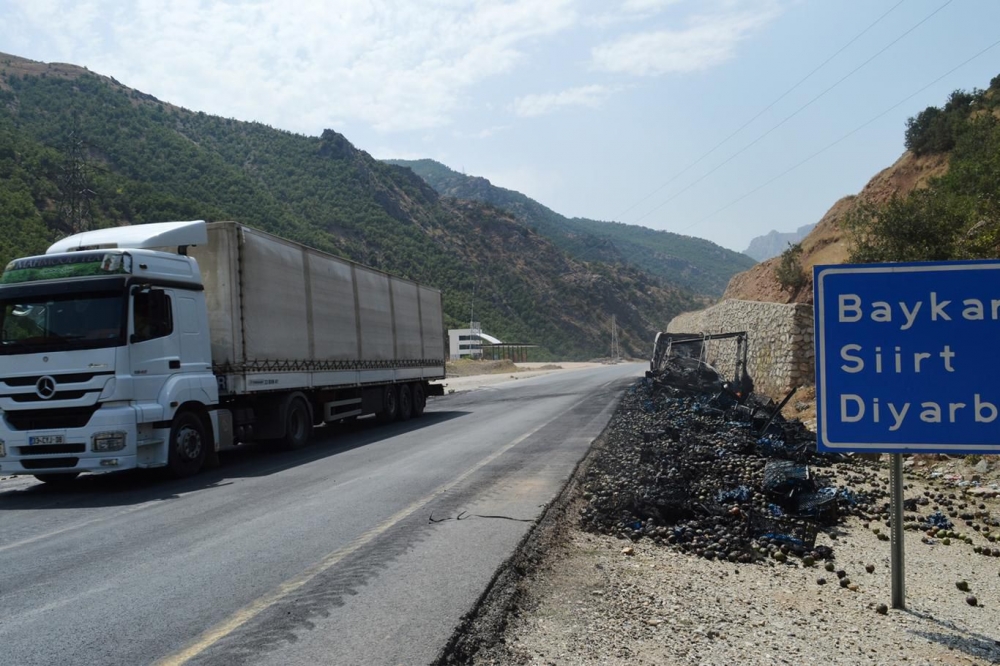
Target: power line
851 133
795 113
761 112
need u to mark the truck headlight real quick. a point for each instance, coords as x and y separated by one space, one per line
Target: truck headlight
108 441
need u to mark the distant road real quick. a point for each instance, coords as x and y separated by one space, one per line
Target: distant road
351 551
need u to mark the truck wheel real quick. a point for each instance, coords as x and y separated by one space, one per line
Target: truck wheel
298 425
390 405
419 399
187 446
405 402
57 480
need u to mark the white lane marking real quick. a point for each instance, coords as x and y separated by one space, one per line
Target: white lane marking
76 526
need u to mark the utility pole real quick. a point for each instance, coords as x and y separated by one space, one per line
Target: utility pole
474 329
616 351
472 308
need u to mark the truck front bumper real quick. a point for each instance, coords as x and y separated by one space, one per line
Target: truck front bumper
42 450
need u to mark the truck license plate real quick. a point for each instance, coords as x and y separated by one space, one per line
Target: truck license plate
42 440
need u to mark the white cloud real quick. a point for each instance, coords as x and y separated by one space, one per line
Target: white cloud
484 133
537 105
646 6
628 11
708 40
391 64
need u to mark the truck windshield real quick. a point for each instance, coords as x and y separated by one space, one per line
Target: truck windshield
87 320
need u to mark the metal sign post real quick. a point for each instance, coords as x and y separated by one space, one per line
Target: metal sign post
896 518
904 364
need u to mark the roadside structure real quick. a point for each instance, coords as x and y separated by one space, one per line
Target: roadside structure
474 343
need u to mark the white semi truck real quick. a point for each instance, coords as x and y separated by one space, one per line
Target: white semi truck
158 345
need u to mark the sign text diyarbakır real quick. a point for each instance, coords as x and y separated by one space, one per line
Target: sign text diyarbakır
906 356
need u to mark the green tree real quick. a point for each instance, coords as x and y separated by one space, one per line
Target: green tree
935 130
789 272
24 232
957 216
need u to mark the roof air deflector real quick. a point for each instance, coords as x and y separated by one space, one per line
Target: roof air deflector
137 237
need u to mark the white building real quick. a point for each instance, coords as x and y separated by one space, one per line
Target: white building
468 342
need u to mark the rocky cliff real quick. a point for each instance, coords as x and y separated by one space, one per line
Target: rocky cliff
826 244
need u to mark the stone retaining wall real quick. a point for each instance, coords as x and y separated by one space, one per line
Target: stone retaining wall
780 353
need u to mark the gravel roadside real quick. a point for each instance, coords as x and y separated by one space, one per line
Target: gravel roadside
575 597
589 603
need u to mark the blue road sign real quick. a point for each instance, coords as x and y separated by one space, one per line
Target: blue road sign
908 357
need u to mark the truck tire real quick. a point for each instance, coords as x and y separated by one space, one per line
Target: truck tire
390 405
419 399
298 425
405 403
188 445
57 480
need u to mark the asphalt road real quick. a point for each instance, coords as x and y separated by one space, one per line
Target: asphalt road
365 548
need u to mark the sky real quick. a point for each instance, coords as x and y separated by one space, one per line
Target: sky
722 119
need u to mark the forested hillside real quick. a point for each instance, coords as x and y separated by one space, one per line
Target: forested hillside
695 263
78 150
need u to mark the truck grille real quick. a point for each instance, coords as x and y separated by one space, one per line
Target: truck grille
58 395
49 449
78 378
47 463
50 419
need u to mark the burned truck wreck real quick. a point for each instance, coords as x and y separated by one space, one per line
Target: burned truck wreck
699 462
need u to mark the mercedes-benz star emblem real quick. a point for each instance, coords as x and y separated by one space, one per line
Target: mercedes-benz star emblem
45 387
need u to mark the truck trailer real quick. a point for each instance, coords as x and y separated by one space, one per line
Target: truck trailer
159 345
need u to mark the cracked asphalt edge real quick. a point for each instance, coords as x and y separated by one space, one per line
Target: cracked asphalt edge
480 632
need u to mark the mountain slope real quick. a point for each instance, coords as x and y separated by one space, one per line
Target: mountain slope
694 263
939 201
77 148
775 242
827 243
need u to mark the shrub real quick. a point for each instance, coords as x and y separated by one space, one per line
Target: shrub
789 272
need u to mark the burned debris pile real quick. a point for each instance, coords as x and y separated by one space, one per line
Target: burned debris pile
695 463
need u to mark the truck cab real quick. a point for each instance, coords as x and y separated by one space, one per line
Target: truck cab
106 358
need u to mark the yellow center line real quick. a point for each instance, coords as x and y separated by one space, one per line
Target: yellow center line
247 613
